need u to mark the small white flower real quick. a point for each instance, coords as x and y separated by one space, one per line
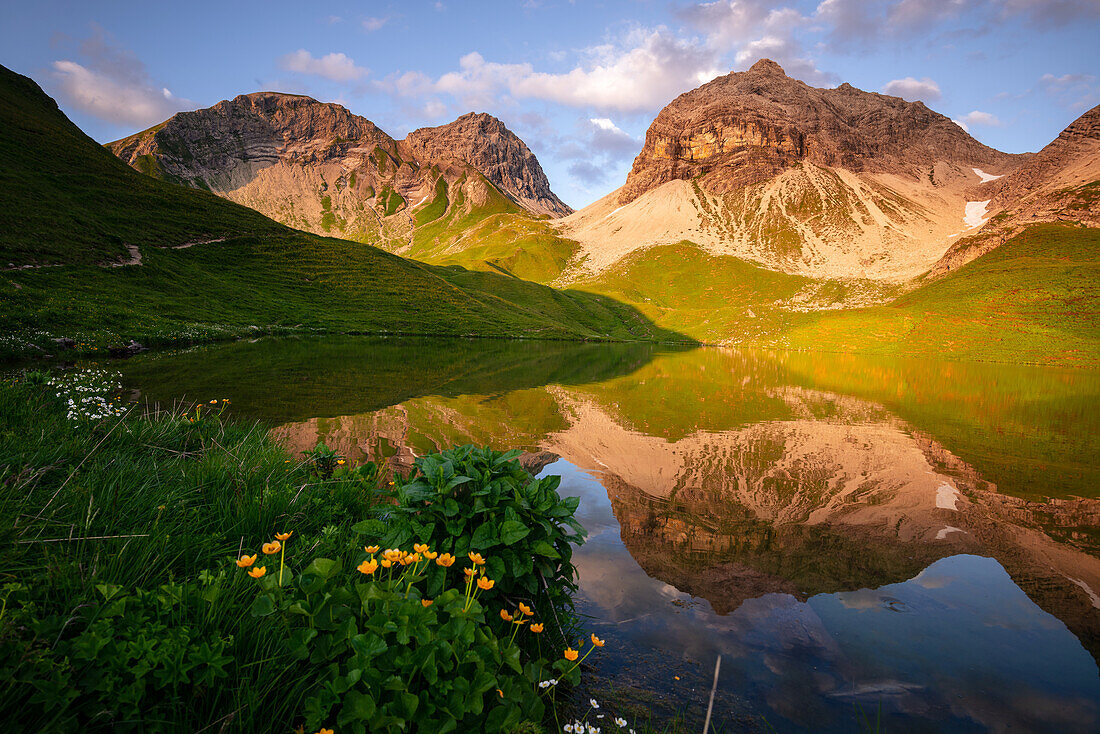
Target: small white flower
568 729
593 704
621 722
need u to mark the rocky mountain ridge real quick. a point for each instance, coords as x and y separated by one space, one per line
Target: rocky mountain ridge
319 167
825 183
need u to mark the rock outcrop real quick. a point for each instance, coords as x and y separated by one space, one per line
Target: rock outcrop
826 183
747 127
484 142
1060 183
318 167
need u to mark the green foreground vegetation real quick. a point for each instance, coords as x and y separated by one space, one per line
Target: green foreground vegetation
143 588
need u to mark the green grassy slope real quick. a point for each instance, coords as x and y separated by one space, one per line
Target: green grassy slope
64 199
1035 298
262 274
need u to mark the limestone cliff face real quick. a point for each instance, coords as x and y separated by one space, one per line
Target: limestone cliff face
484 142
744 128
318 167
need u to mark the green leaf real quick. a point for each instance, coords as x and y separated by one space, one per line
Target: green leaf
485 536
358 706
262 606
368 645
544 548
513 531
326 568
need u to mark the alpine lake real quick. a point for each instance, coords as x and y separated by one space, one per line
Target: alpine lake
869 544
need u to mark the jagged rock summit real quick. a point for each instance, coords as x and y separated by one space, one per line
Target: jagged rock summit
318 167
483 141
746 127
827 183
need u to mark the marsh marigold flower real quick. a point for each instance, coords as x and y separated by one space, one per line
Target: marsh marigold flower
429 555
284 536
485 584
272 547
246 561
536 628
372 549
476 558
386 563
469 572
420 547
446 560
597 641
426 602
393 554
570 654
257 571
340 461
525 610
506 616
368 567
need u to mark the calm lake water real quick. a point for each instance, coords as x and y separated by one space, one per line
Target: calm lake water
912 540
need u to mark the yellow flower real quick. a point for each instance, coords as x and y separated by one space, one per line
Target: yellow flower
570 654
257 571
372 549
368 567
469 572
476 558
426 602
213 402
430 555
420 547
412 559
393 554
284 536
537 627
526 610
325 731
246 561
386 563
340 461
272 547
506 616
485 584
597 641
500 692
446 560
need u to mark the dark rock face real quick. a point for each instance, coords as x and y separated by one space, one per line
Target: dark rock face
484 142
744 128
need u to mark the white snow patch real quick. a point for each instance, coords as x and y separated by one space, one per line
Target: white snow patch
946 497
616 211
426 198
975 213
947 530
1092 594
986 177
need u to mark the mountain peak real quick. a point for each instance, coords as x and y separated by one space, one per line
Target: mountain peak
767 67
488 145
745 128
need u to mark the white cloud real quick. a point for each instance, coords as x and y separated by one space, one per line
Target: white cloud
977 117
647 69
129 102
336 67
373 24
913 89
961 124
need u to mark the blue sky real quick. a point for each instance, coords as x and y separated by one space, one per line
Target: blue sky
578 81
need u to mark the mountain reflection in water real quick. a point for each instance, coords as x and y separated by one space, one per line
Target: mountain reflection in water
848 533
